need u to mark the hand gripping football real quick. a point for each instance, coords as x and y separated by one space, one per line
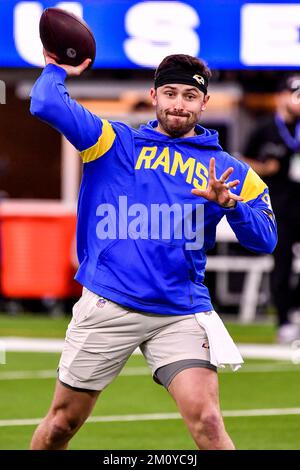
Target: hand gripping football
67 36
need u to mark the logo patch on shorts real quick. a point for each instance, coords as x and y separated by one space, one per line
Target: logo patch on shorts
101 302
205 345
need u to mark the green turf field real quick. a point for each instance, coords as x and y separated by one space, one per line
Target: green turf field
263 385
134 412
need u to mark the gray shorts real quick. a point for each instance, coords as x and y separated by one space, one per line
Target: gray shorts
102 335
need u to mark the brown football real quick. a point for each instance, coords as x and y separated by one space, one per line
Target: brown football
67 36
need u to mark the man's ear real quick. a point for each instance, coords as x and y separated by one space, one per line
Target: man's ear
153 96
205 101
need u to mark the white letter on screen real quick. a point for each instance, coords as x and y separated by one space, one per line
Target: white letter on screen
270 34
157 29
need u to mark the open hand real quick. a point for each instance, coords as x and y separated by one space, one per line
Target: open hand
75 71
218 190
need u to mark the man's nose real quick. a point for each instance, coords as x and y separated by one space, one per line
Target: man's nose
179 103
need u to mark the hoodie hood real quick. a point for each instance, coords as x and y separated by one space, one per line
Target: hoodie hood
208 138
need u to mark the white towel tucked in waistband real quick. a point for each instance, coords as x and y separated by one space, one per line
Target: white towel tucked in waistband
223 351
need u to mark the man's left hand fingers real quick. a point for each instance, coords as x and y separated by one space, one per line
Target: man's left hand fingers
232 184
235 196
226 175
198 192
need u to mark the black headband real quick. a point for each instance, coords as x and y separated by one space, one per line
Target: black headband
174 75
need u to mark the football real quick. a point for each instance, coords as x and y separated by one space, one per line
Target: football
67 36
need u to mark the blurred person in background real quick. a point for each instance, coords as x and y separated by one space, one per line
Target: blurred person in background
273 151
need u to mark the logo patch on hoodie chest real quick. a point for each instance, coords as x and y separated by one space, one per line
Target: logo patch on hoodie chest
174 164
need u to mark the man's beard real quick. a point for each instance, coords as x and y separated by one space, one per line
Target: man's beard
178 129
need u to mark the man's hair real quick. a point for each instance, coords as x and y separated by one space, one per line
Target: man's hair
184 62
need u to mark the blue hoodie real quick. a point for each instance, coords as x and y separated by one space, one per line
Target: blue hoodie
142 236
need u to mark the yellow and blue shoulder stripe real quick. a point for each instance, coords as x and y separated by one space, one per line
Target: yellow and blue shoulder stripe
103 144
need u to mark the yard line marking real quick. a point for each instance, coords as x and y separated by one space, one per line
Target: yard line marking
133 371
28 374
159 416
256 368
143 371
254 351
261 412
49 374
